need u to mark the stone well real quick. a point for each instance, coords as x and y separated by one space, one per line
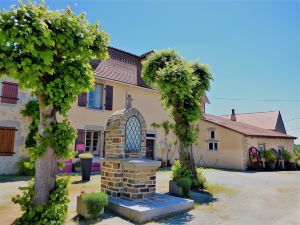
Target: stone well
125 171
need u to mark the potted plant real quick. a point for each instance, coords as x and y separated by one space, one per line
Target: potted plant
76 166
181 181
270 158
86 161
287 156
91 205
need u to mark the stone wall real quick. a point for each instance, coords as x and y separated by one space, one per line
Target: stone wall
115 134
139 183
112 178
119 181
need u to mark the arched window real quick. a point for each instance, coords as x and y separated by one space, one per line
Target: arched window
133 135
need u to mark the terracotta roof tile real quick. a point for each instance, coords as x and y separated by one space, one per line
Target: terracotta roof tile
247 129
118 71
266 120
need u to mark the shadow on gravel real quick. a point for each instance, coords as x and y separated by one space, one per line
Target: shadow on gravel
82 221
13 178
202 197
180 219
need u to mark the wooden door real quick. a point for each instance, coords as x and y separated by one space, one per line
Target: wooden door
150 148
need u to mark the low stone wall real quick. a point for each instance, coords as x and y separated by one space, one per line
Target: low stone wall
139 183
119 180
112 178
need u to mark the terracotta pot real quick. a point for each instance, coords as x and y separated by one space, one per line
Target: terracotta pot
163 163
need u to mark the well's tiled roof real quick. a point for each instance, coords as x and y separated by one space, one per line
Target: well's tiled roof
244 128
266 120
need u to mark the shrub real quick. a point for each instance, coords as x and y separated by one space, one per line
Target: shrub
54 213
86 156
185 183
95 202
201 182
180 171
25 167
287 156
269 155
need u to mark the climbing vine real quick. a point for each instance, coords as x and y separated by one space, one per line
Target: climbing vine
182 86
49 53
56 210
32 110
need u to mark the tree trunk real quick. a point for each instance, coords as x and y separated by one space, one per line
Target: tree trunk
187 158
45 166
45 172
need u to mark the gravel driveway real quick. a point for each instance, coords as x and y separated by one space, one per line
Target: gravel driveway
238 198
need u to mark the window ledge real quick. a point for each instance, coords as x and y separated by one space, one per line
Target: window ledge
96 109
212 140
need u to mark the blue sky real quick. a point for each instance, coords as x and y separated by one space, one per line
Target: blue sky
252 47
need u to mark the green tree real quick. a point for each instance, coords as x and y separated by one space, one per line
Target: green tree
182 86
48 52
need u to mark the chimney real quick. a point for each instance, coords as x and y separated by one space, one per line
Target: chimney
233 117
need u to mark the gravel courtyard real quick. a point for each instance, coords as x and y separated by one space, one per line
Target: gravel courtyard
240 198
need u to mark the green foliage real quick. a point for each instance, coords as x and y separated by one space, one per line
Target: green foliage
49 52
200 182
25 167
166 125
287 156
58 136
269 155
185 183
54 213
95 202
182 86
180 171
32 110
86 156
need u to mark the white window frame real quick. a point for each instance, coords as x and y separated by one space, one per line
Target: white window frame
98 147
215 146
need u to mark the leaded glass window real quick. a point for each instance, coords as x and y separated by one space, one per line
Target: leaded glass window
133 135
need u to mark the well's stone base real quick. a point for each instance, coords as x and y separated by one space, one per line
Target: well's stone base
129 178
144 210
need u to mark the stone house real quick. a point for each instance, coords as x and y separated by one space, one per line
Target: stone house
222 142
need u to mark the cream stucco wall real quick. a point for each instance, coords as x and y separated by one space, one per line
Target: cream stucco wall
145 100
230 153
10 116
232 150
